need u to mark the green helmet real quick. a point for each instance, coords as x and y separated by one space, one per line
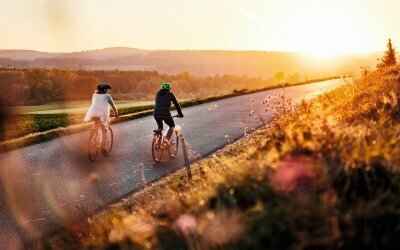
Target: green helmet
166 85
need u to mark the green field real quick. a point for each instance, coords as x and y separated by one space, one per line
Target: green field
26 120
71 107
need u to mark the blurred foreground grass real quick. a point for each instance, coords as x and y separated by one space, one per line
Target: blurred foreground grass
324 176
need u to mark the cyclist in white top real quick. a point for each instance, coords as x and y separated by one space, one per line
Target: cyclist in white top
100 110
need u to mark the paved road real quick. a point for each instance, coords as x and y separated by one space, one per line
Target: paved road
51 184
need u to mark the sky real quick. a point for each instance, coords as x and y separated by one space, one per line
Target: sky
320 27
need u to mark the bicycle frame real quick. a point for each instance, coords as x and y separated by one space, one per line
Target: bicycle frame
95 140
158 145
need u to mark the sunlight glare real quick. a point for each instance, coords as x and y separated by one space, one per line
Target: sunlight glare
322 31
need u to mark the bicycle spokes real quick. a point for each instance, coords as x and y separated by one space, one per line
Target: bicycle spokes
157 147
93 144
173 149
109 141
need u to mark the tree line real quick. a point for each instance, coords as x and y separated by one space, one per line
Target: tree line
39 86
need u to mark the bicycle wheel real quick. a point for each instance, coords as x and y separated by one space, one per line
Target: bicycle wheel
173 150
157 148
109 141
93 144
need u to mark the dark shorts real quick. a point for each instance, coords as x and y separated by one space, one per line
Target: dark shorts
167 119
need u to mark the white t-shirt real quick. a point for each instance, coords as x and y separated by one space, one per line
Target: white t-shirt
100 108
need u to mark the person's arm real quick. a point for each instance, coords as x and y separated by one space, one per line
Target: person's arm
177 106
112 104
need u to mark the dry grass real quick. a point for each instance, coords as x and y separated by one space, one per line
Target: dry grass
324 176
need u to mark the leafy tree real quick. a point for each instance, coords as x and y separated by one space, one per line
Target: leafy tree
389 58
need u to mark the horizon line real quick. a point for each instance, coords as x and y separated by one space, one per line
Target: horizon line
201 50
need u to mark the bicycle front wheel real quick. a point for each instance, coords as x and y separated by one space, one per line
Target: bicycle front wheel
93 144
157 148
109 141
173 150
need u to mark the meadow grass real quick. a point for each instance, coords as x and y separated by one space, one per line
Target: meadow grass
324 175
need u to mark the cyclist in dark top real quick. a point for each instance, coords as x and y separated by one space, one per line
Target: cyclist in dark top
162 109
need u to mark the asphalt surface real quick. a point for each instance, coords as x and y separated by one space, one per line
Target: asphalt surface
52 184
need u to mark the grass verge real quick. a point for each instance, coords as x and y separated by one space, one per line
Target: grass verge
28 129
325 176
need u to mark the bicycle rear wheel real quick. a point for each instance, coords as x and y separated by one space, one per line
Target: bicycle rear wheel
109 141
93 144
157 148
173 150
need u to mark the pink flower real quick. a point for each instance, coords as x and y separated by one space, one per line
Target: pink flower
185 224
296 173
220 228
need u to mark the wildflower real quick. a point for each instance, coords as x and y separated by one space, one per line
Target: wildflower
169 207
94 178
116 235
193 155
216 157
185 224
138 227
246 131
296 173
220 228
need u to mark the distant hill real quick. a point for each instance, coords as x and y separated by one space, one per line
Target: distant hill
25 54
202 63
100 54
104 54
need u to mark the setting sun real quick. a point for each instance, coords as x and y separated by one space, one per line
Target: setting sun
324 29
